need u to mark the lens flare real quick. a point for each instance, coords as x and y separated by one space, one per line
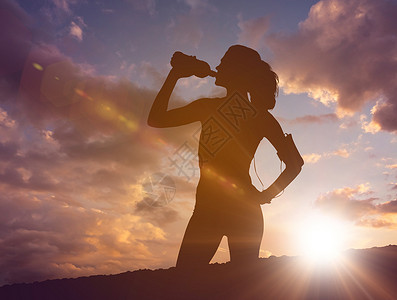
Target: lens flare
38 66
322 239
83 94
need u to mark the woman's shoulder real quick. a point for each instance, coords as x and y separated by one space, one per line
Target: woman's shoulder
209 103
207 100
268 116
271 123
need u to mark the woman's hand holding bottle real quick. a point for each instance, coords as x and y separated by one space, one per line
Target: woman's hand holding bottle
185 66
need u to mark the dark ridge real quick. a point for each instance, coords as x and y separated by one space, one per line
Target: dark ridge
360 274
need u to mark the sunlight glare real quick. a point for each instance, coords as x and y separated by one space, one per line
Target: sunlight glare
322 239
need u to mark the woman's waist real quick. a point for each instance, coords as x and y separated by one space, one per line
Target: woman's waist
232 176
224 187
225 196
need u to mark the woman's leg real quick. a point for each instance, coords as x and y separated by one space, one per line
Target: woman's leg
200 242
245 235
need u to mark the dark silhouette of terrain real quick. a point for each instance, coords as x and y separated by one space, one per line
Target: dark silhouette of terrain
360 274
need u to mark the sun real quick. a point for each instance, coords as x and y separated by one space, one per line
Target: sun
322 239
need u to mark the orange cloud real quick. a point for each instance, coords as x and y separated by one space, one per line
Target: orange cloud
354 204
76 31
342 153
72 145
316 119
313 158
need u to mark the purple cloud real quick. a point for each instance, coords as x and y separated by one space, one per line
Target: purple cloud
344 52
74 146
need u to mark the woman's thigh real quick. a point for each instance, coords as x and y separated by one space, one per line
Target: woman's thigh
201 240
245 234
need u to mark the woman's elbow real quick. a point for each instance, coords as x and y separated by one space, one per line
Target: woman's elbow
293 169
153 121
156 123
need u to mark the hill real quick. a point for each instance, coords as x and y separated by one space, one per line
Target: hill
359 274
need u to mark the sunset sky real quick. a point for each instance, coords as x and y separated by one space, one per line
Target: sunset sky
77 79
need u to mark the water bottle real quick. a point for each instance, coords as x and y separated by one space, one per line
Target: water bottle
199 68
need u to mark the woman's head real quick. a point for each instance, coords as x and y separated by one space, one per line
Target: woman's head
242 68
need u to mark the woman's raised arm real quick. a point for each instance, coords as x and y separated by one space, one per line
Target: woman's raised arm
159 115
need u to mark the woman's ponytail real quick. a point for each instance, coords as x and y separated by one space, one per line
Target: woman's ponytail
264 86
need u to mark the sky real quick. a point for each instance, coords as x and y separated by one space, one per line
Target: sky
77 160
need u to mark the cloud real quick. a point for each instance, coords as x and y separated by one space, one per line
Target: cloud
354 204
341 152
76 28
57 12
108 10
308 119
63 5
313 158
148 6
199 5
76 31
389 207
185 30
5 120
385 112
344 53
369 126
73 144
67 208
43 237
253 31
149 72
393 166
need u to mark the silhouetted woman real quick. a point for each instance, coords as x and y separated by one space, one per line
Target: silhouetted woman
232 127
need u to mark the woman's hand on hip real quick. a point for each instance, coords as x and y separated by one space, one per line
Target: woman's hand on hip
260 197
266 197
